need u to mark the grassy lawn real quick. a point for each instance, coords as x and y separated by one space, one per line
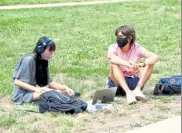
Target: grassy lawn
82 35
15 2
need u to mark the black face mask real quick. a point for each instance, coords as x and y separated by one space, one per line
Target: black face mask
121 41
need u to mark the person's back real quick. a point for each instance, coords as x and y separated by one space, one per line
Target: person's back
25 71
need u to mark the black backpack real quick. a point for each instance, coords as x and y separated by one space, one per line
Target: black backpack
170 85
58 102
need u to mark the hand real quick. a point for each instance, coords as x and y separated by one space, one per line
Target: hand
38 89
142 64
42 89
136 72
68 90
138 65
135 65
135 68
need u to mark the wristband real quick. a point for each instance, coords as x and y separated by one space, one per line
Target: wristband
144 64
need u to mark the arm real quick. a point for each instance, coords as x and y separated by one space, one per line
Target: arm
116 60
151 58
62 88
37 90
26 86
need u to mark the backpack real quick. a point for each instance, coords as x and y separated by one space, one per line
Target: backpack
53 101
170 85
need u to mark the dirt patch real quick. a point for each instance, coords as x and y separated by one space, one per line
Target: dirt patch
6 102
119 119
125 117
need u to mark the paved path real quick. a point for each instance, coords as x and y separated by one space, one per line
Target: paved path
60 4
172 125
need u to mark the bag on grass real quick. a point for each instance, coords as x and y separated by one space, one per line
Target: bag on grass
53 101
170 85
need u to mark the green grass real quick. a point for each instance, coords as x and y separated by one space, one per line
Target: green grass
83 34
9 117
7 121
16 2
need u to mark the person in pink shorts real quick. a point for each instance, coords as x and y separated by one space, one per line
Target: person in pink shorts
127 72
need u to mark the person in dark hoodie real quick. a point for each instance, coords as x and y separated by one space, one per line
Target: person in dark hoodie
31 77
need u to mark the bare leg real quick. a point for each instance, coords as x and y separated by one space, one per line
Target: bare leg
117 77
144 75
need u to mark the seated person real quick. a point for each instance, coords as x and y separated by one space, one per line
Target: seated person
31 77
126 70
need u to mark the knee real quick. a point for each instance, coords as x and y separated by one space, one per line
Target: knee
150 66
36 96
114 66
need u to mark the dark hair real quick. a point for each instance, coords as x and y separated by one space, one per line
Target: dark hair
41 74
128 31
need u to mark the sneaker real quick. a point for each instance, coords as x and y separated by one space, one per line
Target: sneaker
131 98
139 95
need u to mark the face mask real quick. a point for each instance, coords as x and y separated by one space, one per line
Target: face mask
121 41
47 55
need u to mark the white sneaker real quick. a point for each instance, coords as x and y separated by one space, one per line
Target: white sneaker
131 98
139 95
